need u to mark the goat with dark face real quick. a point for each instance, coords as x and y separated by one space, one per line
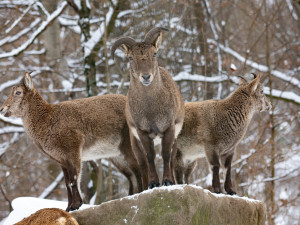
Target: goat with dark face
155 107
73 131
213 128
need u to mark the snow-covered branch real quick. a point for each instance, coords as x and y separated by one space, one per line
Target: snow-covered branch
12 121
96 36
19 19
10 129
259 67
10 39
181 76
41 28
11 83
284 95
52 186
4 146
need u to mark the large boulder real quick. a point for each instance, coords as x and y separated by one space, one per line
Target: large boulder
179 204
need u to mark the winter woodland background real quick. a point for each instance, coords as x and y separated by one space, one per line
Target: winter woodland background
67 46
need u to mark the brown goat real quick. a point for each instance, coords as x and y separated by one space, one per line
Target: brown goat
49 216
213 128
155 107
73 131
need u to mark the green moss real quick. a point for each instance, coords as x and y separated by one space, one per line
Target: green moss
160 209
201 217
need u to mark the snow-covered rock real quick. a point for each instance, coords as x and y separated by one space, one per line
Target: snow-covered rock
178 204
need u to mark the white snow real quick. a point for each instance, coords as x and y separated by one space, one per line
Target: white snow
67 84
25 206
78 4
233 67
290 6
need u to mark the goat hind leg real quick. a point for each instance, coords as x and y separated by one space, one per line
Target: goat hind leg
213 159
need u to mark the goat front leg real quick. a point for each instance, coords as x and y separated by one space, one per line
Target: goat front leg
68 186
227 164
148 146
73 184
167 144
142 160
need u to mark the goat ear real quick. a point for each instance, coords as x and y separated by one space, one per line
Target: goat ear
157 42
254 83
28 81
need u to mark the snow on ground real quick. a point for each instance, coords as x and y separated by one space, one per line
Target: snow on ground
25 206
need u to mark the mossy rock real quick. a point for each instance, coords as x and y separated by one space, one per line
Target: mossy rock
179 204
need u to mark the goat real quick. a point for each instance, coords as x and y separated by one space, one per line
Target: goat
49 216
154 107
73 131
213 128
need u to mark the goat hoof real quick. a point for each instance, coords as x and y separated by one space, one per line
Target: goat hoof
74 206
166 182
231 192
217 190
153 184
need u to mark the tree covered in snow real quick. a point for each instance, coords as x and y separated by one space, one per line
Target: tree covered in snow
67 46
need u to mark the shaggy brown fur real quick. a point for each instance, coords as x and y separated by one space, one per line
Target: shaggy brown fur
213 128
49 216
155 107
72 131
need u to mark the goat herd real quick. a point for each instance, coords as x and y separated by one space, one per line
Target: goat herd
125 128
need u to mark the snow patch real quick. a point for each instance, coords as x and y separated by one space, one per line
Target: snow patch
25 206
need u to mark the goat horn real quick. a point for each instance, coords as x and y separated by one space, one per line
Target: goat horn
153 33
254 75
124 40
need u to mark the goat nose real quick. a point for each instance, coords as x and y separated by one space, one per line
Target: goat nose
146 77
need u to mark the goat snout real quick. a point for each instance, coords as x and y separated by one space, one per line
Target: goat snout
146 79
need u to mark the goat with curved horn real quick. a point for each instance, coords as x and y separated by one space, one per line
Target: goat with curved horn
154 108
126 41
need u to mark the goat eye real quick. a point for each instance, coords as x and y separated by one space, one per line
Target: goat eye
154 55
262 91
18 92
